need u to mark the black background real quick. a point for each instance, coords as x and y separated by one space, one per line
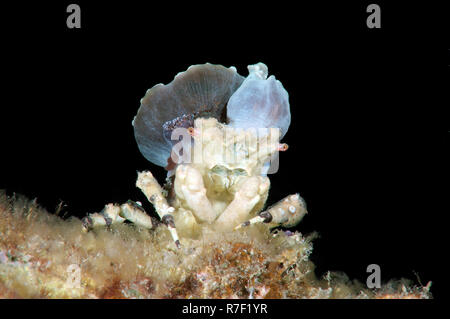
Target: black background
367 138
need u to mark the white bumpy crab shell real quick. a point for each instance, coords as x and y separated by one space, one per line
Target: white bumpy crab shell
234 126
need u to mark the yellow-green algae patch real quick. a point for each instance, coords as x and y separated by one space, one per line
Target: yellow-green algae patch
44 256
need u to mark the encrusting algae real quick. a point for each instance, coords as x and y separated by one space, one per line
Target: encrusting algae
44 256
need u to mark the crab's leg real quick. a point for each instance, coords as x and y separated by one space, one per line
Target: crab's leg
189 186
153 191
251 191
136 214
287 212
115 214
108 216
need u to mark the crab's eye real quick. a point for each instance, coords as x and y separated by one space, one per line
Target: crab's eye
283 147
191 131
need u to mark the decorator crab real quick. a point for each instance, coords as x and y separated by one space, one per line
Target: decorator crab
217 134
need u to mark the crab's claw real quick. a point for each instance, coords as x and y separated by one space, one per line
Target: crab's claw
288 212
